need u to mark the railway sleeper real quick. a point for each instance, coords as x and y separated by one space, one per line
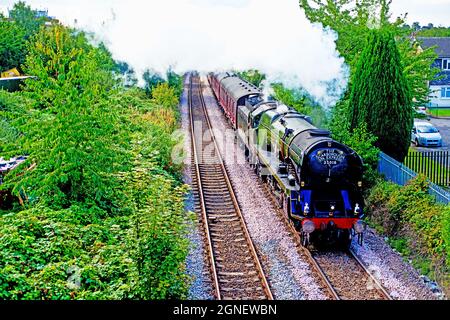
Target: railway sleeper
240 280
222 216
220 229
226 220
241 289
217 221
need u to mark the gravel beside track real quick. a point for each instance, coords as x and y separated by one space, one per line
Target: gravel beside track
290 276
398 277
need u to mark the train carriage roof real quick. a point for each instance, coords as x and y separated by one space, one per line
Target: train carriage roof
239 88
223 75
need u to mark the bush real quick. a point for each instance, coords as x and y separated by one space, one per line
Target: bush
411 216
165 96
362 142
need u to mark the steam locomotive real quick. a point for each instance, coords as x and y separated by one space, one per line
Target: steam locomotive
316 180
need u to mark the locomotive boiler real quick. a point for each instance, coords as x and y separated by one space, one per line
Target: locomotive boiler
316 180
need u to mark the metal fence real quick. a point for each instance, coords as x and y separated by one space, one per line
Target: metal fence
400 174
434 164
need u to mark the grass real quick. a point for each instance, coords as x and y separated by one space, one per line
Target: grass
426 166
439 112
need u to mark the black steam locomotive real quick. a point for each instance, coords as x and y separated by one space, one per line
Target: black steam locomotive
317 181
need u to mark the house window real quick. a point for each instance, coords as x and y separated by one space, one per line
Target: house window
445 64
445 92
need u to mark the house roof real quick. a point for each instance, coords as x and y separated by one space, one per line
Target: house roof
442 43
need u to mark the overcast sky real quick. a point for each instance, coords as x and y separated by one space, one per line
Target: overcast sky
424 11
272 36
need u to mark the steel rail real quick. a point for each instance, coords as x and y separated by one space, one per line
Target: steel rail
260 271
316 265
201 195
301 248
309 255
386 295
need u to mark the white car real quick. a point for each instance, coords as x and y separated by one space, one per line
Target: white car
425 134
423 111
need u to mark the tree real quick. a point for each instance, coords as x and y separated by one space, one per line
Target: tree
380 96
253 76
416 26
26 18
434 32
12 45
71 135
151 79
353 20
128 74
15 31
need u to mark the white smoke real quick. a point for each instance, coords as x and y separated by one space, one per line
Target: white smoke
214 35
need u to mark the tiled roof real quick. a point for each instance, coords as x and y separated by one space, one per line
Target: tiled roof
443 45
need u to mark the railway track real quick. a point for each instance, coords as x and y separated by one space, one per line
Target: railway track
348 276
235 267
342 273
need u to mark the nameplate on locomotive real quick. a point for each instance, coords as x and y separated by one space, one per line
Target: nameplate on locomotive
330 157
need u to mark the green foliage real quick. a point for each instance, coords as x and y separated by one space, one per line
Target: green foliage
363 143
25 17
102 213
71 136
12 45
164 95
151 79
14 35
302 102
415 222
65 63
434 32
380 96
159 251
353 21
128 74
175 81
253 76
418 69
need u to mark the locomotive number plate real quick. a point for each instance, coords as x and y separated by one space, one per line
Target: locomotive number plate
330 157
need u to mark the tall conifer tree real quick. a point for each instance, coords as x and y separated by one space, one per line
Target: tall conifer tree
380 96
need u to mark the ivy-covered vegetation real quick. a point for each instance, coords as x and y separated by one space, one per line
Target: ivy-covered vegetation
417 226
99 210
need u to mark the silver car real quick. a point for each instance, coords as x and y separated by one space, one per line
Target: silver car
425 134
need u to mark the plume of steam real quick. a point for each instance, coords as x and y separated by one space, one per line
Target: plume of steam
214 35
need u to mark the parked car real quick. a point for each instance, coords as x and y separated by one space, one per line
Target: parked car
421 113
425 134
